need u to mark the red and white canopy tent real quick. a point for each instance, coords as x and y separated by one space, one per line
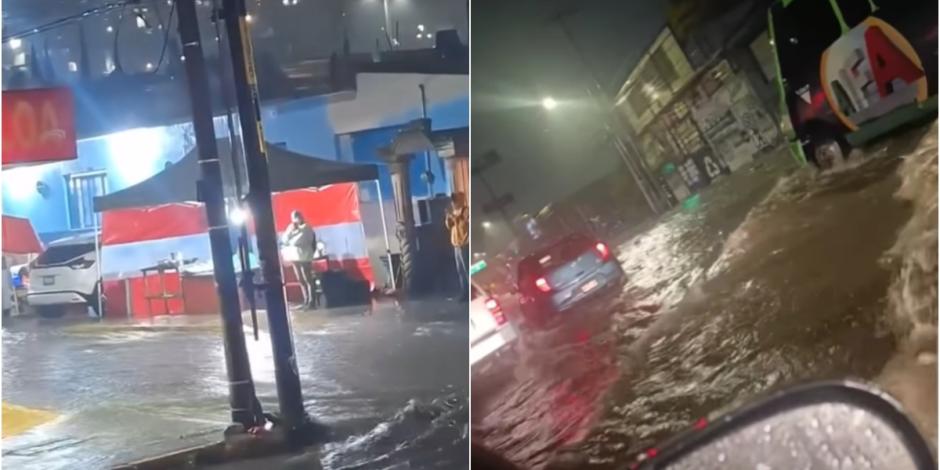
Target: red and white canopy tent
144 224
19 237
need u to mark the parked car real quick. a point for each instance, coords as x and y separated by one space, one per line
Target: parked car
564 274
65 275
491 332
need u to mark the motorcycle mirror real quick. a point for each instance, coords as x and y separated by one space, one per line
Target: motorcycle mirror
825 426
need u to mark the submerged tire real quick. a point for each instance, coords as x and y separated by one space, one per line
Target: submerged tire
54 311
828 154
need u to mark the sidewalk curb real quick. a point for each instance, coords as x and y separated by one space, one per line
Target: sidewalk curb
237 445
186 458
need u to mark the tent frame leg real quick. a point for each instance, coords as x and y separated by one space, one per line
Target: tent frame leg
100 289
388 250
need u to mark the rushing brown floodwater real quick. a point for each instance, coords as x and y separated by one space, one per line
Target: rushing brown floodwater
781 276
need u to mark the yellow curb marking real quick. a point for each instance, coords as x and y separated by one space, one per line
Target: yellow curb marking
19 419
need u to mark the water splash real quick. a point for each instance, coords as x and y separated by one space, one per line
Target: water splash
913 294
422 434
911 375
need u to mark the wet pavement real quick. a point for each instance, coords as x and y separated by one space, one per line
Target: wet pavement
781 276
391 384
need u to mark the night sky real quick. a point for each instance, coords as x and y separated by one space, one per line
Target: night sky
519 54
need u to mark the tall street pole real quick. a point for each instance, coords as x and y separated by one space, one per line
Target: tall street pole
428 174
502 209
290 397
242 400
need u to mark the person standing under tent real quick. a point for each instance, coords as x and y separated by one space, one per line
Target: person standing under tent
300 243
458 222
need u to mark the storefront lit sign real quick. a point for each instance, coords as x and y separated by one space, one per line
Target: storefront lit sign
38 126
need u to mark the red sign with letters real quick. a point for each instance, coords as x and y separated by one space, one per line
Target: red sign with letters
38 126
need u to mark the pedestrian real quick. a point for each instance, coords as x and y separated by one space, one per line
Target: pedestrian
301 243
458 222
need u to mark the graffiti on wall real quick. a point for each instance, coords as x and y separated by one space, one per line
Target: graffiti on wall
731 117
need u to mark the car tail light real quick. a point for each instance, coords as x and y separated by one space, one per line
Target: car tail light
602 251
542 284
493 306
82 263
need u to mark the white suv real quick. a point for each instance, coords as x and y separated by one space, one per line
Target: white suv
64 275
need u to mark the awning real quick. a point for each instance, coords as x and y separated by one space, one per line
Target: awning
287 171
19 236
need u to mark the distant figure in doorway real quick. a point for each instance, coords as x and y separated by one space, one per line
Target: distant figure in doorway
301 243
458 222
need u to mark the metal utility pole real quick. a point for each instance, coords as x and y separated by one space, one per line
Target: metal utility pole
428 174
388 25
243 402
500 202
497 202
289 394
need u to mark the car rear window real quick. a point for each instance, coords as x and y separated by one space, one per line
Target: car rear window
567 272
559 262
63 254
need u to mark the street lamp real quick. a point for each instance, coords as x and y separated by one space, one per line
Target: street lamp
487 224
549 103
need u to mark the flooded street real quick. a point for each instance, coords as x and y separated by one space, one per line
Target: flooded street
391 386
781 276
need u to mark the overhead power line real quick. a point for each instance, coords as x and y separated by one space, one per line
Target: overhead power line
68 19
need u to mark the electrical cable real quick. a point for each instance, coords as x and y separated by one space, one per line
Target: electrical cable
166 32
118 66
68 19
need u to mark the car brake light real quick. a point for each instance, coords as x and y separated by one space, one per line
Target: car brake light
542 284
493 306
602 251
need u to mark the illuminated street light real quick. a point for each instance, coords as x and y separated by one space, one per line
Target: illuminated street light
487 224
421 27
549 103
237 216
109 29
